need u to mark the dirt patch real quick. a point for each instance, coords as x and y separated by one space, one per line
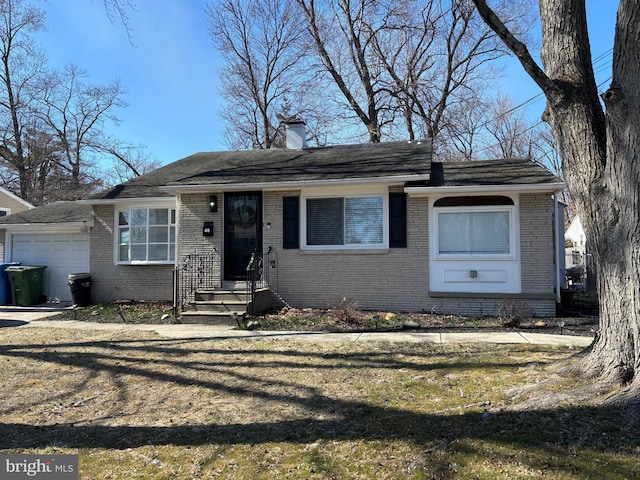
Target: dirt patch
339 321
342 318
125 311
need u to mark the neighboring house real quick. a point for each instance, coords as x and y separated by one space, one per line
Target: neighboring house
10 203
379 224
575 234
54 235
580 270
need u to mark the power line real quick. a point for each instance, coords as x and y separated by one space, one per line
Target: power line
533 99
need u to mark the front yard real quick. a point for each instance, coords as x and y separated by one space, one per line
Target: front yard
138 406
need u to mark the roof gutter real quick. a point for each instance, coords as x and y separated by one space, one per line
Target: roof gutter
128 201
272 186
481 189
47 227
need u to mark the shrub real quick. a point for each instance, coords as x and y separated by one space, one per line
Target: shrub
512 312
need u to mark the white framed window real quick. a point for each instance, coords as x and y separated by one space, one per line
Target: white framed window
145 235
472 231
354 221
474 244
4 212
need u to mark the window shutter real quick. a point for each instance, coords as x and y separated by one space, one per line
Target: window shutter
291 222
397 220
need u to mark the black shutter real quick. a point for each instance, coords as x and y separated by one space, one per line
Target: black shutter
290 222
397 220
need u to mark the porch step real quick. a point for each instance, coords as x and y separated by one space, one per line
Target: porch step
218 305
212 318
221 295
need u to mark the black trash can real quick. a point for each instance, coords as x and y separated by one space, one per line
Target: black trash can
80 285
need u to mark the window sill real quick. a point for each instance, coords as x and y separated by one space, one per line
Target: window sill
346 251
141 263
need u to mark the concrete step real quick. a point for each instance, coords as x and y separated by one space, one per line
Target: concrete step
212 318
218 306
220 295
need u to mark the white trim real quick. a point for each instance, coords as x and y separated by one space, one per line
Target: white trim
495 273
510 209
471 190
131 201
298 184
171 205
339 192
67 227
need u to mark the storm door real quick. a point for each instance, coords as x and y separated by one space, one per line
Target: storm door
242 232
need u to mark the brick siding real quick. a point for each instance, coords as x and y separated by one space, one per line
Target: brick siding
122 282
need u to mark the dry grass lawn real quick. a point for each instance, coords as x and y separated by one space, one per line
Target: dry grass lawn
138 406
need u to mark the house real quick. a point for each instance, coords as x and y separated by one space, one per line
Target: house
381 224
10 203
575 235
54 235
580 272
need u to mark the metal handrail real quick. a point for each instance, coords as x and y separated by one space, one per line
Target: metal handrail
257 276
194 272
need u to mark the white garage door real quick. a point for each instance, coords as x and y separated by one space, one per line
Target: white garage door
62 253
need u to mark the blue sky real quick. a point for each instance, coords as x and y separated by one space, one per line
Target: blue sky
169 68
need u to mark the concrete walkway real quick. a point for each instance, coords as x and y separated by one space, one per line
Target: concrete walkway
29 317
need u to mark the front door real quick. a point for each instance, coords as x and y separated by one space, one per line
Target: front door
242 232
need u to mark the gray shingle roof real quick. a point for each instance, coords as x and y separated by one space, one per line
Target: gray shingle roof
281 165
57 212
505 172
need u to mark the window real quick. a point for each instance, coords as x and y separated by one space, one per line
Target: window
473 226
345 221
146 235
474 233
474 244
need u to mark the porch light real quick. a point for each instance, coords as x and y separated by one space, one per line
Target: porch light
213 203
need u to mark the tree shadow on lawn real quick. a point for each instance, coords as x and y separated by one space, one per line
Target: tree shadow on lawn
545 434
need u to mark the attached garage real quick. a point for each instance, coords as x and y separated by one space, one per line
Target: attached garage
62 253
55 236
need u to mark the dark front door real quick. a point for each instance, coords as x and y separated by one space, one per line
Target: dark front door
242 232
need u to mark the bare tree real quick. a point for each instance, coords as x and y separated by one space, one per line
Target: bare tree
511 134
342 35
599 150
21 70
76 113
441 59
129 161
461 136
264 74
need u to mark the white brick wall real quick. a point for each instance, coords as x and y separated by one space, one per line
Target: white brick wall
398 279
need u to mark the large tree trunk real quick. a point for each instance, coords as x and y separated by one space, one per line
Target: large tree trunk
599 152
616 204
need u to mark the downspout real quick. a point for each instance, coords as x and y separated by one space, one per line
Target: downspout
558 244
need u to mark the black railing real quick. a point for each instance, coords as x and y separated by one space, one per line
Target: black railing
194 272
257 276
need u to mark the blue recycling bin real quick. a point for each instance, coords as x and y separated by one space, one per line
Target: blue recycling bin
5 283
